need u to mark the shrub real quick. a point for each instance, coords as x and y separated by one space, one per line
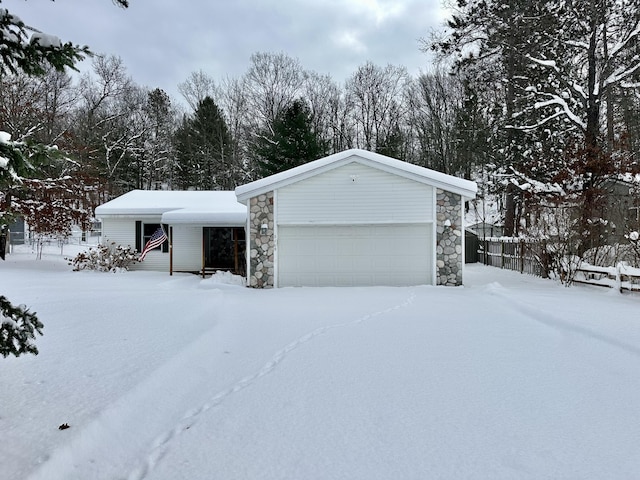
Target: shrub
105 258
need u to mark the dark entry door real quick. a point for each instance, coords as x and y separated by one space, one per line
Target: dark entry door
223 248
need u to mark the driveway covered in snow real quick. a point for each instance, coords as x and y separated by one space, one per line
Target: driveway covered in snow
509 377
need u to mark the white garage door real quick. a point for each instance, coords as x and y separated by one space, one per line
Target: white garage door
354 255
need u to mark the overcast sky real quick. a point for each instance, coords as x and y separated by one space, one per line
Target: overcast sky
162 41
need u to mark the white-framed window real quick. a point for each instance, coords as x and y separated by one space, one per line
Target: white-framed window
144 231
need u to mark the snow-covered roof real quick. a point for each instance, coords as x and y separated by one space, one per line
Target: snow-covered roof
446 182
212 217
211 208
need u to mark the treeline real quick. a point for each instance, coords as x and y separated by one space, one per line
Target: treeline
537 101
275 116
557 83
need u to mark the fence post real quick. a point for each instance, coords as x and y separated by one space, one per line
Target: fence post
501 253
619 277
486 252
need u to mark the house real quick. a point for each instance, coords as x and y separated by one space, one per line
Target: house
621 208
205 229
355 218
486 230
17 232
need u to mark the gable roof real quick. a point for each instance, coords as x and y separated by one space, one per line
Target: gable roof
465 188
214 208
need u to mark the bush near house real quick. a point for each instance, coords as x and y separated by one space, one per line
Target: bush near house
105 258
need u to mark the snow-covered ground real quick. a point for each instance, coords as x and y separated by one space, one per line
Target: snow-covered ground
159 377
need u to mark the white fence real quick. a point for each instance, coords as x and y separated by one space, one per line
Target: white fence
621 277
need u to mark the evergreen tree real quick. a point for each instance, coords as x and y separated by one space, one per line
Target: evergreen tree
186 174
30 56
290 142
392 145
156 165
559 65
18 327
203 150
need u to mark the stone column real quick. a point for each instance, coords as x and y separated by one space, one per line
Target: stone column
449 238
261 242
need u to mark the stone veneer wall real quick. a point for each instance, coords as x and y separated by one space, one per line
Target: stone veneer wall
448 238
261 247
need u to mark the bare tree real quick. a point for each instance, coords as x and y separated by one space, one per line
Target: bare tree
322 94
198 86
110 124
235 105
377 97
272 83
19 109
435 101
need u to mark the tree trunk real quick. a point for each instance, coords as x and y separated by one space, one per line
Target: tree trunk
593 157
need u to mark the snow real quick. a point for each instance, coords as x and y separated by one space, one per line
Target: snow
218 215
46 40
164 377
179 206
465 188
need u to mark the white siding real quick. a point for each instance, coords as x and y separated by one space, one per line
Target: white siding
187 248
122 231
355 194
350 255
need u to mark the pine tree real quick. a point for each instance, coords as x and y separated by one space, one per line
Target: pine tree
559 66
18 327
290 142
33 55
158 152
203 150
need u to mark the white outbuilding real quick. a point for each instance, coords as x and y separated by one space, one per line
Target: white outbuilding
355 218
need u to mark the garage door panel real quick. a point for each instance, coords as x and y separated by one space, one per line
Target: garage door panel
354 255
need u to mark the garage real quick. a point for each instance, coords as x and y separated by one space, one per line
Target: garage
355 218
354 255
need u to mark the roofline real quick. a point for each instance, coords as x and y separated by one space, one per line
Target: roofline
424 175
122 209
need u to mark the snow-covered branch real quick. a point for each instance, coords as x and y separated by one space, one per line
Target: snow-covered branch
544 63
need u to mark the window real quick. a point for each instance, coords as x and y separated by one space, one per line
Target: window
144 231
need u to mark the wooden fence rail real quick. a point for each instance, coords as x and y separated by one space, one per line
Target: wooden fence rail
532 257
621 277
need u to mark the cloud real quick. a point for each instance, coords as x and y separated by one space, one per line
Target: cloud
378 10
162 41
350 40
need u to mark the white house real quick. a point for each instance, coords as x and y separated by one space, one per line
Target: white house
205 229
355 218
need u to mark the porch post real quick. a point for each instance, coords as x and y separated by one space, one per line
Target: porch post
170 250
203 255
235 250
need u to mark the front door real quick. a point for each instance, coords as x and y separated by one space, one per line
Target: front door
223 248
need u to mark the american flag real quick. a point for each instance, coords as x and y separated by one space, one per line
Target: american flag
158 238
